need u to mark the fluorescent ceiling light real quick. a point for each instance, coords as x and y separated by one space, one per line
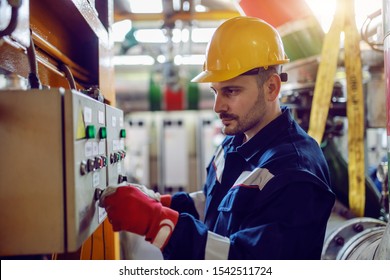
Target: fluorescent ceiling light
200 8
176 4
180 35
128 60
161 58
189 59
146 6
150 36
133 60
202 35
199 35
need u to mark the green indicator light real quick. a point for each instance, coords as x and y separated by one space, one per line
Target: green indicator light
90 131
103 133
123 133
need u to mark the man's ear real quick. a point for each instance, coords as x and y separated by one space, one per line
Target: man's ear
273 85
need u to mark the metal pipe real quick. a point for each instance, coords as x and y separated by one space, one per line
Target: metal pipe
352 237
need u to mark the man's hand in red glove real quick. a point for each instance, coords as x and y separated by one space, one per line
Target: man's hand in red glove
165 199
130 209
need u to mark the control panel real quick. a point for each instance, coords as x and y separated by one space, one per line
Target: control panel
85 133
58 147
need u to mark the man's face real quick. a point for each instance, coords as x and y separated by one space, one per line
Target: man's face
240 104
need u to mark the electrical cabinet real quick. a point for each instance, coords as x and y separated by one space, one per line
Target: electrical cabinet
56 146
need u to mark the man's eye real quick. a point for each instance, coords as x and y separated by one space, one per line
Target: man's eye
231 92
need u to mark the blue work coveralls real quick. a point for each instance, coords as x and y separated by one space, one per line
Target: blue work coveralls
269 198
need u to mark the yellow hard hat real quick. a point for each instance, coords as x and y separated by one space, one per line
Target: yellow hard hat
238 45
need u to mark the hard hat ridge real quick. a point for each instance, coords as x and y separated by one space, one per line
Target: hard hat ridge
239 45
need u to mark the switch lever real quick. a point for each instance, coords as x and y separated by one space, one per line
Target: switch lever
98 194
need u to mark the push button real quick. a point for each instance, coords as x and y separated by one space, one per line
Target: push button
83 168
103 133
90 131
104 159
122 178
91 165
98 163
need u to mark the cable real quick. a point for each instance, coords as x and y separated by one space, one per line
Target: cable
377 46
68 74
15 5
33 78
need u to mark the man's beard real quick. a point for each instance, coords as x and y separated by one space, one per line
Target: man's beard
243 123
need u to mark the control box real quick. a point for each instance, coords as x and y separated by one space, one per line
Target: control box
56 146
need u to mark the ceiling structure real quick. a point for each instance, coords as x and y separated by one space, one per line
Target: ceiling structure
177 17
185 18
179 10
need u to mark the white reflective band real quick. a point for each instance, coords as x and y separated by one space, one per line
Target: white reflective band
217 247
219 162
166 228
199 201
257 177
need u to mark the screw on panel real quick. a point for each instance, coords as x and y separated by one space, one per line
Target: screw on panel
358 227
339 240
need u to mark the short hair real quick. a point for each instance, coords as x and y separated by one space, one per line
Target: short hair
262 74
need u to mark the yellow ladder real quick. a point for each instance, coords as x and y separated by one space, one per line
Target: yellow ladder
344 21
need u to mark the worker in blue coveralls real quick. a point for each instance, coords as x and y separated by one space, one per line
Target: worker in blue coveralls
267 194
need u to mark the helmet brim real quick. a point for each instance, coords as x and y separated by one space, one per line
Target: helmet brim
214 76
220 76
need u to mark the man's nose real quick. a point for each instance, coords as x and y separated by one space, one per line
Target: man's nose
219 104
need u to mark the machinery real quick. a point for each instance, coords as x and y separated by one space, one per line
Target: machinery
348 235
63 139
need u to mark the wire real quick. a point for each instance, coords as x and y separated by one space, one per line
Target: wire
15 5
364 32
33 78
68 74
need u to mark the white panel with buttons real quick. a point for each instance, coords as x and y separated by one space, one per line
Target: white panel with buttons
116 153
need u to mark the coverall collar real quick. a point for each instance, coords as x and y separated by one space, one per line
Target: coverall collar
264 137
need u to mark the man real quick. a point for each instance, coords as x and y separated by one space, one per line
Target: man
267 193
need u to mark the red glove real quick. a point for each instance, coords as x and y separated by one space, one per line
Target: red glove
128 208
166 200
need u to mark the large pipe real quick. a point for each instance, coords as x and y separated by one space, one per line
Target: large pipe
356 238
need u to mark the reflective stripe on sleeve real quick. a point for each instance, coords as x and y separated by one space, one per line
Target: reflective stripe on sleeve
217 247
199 201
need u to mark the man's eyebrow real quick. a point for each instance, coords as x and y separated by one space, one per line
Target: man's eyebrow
229 87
